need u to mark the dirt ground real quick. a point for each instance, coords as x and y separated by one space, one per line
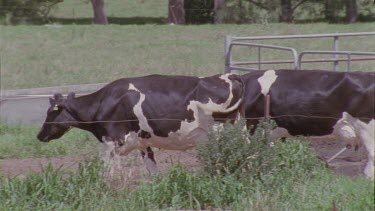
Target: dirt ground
350 163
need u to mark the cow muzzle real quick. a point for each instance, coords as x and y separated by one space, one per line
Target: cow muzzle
42 137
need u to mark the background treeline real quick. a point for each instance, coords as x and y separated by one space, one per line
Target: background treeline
263 11
207 11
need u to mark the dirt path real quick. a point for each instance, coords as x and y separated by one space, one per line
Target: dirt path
350 163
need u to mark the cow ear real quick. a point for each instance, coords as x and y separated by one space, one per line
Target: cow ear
51 101
71 96
58 97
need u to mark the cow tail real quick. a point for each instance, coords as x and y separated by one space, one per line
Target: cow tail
238 91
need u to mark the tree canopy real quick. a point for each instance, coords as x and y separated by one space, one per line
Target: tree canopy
213 11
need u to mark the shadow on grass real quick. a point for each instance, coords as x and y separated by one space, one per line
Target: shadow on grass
111 20
338 20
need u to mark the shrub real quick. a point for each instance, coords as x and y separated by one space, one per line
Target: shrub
233 151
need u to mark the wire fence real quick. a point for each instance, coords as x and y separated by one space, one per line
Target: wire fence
21 97
215 119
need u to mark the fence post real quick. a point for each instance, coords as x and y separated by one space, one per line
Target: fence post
259 58
348 67
267 104
335 48
227 41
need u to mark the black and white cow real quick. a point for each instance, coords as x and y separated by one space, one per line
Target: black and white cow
316 103
168 112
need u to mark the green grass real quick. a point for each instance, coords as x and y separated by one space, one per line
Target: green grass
21 142
88 189
296 180
38 56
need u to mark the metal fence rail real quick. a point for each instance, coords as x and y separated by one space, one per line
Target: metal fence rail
347 53
231 41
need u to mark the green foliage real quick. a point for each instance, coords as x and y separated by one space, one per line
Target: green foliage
18 11
233 151
242 11
53 189
183 189
265 11
180 188
199 11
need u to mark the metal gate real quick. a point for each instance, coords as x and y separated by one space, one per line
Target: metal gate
296 61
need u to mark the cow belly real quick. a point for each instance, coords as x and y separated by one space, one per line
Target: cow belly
185 138
176 141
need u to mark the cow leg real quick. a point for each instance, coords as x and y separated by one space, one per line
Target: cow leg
365 133
111 159
149 160
131 142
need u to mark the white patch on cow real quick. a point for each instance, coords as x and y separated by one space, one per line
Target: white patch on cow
266 81
365 133
345 131
143 124
189 133
196 131
132 87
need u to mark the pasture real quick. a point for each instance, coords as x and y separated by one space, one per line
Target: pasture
68 174
39 56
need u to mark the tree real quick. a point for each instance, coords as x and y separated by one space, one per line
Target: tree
329 10
26 11
176 12
351 11
99 14
287 10
218 5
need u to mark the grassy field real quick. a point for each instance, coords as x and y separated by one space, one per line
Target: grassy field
78 53
21 142
38 56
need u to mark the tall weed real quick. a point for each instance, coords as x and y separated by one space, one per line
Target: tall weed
53 188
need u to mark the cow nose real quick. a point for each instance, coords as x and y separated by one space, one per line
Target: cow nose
42 138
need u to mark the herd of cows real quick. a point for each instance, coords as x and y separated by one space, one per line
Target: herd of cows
176 112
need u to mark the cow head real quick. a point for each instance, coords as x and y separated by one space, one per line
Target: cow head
58 120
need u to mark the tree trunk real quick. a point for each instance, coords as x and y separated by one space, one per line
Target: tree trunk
351 11
286 11
99 14
176 12
330 11
218 6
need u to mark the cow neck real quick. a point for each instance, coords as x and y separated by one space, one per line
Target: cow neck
83 108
